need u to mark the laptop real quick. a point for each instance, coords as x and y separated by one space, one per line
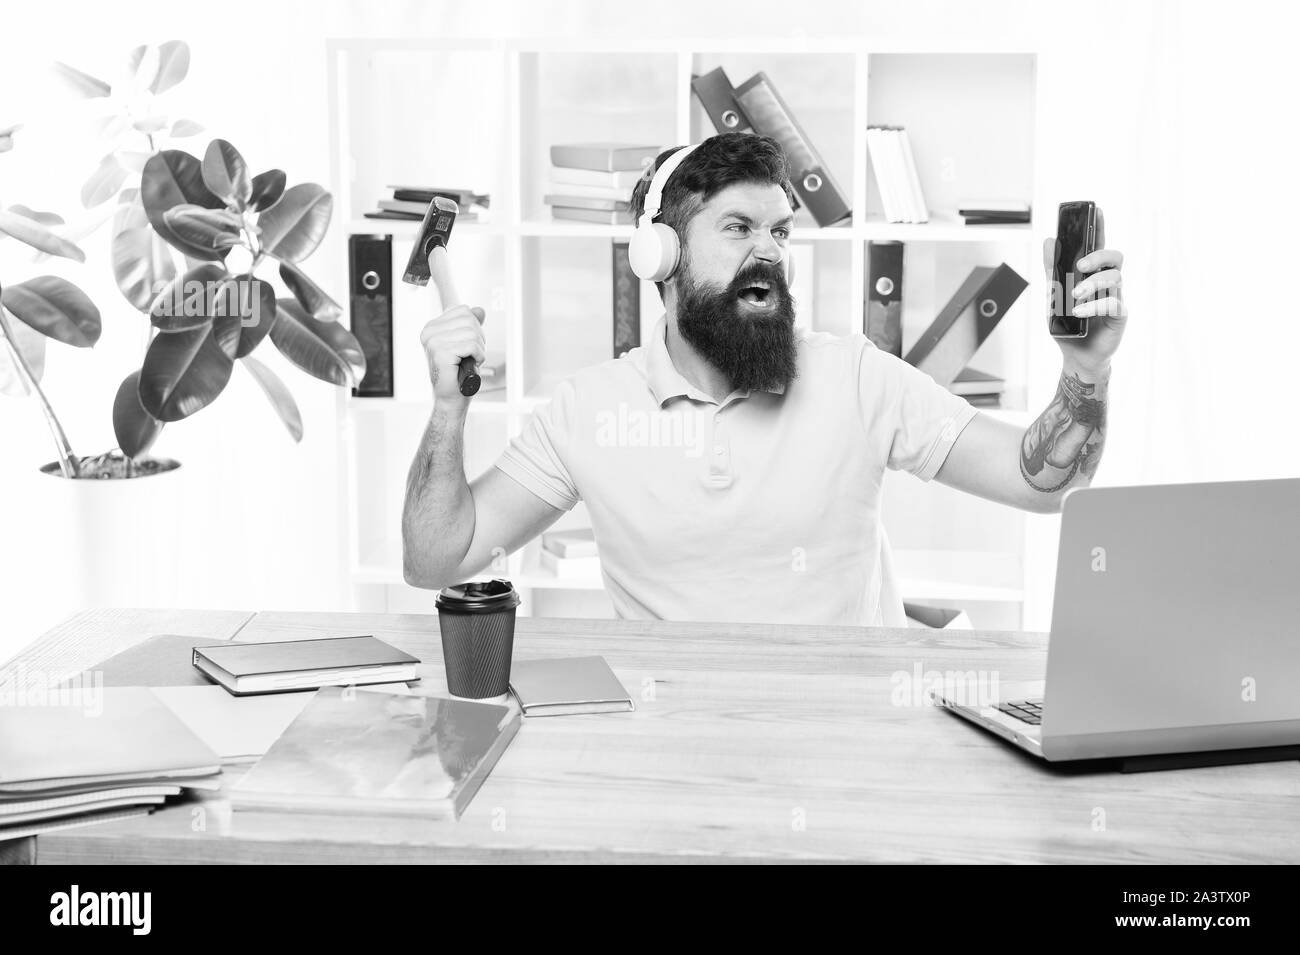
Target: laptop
1175 628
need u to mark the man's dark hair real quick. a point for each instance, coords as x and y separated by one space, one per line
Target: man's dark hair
718 162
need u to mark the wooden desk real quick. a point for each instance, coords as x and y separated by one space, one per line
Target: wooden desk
749 743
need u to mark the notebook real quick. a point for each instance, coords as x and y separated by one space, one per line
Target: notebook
357 752
566 687
304 664
12 808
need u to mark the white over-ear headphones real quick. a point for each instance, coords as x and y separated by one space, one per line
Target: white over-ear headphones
655 249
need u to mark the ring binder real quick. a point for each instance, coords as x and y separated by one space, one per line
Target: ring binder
957 333
809 175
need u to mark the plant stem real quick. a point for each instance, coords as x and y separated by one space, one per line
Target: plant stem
67 460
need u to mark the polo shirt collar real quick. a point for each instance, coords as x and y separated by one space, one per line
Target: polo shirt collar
666 381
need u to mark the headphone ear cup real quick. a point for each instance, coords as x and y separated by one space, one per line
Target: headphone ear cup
653 251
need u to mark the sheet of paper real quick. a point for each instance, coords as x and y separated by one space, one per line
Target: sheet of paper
240 728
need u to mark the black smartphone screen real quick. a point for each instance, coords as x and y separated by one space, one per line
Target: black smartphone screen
1075 237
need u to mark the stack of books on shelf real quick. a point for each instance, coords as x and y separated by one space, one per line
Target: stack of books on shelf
77 756
994 212
593 182
978 387
894 168
411 203
570 554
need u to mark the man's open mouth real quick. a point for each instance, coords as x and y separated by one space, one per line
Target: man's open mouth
757 295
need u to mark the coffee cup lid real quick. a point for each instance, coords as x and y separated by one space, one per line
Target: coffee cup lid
478 596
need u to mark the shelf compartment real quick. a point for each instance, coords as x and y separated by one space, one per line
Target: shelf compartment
577 97
425 92
970 121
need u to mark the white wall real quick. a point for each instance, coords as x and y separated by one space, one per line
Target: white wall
1175 117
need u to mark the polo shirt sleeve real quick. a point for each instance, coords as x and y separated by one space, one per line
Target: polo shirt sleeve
913 419
537 457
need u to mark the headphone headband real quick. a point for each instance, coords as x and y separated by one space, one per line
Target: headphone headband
655 194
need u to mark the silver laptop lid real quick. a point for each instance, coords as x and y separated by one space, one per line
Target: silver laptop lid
1176 621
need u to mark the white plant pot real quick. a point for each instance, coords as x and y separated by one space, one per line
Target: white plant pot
109 543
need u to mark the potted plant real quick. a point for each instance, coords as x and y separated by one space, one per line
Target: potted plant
95 539
226 226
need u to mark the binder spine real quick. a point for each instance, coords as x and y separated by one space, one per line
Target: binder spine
627 302
884 316
371 302
718 97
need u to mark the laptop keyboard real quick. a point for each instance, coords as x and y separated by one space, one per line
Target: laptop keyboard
1031 711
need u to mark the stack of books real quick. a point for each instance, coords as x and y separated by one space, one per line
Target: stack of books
894 167
593 182
82 755
994 212
411 202
570 554
978 387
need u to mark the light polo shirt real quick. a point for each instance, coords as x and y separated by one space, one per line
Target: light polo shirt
764 506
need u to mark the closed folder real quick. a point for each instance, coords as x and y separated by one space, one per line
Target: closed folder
812 181
963 324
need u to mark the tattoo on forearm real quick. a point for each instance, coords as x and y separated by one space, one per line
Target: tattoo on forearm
1067 439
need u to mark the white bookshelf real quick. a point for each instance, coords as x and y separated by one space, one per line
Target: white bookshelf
482 114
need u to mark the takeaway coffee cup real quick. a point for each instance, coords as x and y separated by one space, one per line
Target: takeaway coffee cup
477 620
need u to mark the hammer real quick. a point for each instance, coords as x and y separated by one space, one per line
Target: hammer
429 260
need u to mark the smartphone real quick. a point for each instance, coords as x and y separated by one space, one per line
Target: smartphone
1078 233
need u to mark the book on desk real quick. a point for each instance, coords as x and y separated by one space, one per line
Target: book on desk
381 753
568 687
289 665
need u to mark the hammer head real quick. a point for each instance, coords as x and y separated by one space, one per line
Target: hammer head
434 230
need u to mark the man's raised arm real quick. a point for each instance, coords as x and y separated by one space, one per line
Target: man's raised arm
451 530
1033 469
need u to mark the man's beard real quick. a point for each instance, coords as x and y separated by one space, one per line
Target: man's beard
753 349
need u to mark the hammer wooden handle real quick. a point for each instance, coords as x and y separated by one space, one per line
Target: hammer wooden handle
439 270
